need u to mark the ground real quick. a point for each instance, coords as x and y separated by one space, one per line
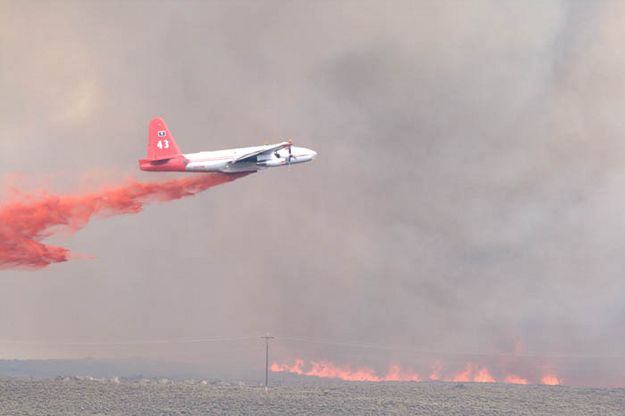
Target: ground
91 397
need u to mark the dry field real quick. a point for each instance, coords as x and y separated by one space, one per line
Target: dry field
91 397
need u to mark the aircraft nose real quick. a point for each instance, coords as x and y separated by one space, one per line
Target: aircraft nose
313 154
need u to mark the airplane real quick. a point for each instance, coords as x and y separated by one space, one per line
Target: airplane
164 155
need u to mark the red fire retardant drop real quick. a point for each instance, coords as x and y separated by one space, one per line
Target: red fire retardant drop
26 221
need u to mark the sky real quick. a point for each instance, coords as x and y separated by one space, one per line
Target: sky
466 202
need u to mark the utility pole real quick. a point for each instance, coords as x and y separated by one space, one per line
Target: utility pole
267 338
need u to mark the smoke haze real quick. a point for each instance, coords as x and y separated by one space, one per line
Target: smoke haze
466 204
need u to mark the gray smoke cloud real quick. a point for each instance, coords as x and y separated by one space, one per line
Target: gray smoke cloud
465 205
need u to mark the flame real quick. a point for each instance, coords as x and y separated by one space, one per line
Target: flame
473 373
512 379
435 375
296 368
470 373
483 376
327 369
395 373
550 380
463 376
27 220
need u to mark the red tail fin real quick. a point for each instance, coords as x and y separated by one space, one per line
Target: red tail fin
161 144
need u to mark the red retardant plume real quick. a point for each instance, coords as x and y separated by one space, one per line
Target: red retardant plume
26 221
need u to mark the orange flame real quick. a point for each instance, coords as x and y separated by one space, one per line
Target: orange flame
470 373
483 376
550 380
296 368
327 369
464 375
397 374
435 375
512 379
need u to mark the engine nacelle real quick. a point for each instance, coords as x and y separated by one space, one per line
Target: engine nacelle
272 163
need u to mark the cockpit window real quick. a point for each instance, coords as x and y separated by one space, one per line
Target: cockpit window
277 155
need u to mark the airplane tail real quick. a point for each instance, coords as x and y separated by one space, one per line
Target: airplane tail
161 144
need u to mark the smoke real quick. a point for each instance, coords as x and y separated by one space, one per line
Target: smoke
468 198
29 219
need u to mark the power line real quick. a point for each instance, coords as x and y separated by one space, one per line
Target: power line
131 342
306 340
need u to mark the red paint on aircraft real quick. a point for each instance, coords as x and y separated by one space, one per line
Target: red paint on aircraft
161 144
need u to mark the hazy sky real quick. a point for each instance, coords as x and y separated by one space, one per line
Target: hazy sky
467 196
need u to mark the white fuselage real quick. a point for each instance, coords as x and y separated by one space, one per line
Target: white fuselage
226 160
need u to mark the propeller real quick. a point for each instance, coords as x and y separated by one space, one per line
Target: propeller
290 151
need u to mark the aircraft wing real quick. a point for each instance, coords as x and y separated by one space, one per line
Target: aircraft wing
270 148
